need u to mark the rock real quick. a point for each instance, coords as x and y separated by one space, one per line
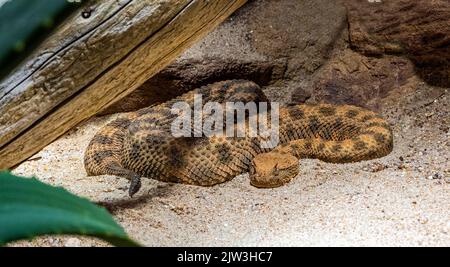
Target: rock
401 166
304 32
423 220
269 42
375 167
352 78
418 29
437 176
187 74
307 51
300 95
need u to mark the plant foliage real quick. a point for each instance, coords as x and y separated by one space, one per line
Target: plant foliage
30 208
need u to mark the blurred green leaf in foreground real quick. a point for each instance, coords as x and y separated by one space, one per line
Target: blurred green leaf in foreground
24 24
30 208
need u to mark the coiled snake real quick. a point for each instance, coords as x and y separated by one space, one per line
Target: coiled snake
140 144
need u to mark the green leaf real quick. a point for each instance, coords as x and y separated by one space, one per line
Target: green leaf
30 208
24 24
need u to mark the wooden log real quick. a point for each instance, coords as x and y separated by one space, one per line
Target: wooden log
89 63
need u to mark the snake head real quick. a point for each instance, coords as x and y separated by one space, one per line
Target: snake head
273 169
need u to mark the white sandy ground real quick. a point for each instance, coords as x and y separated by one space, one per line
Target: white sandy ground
384 202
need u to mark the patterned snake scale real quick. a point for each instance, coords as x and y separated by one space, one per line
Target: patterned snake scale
140 144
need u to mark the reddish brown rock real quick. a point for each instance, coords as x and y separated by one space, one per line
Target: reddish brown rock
352 78
270 42
303 51
418 29
186 75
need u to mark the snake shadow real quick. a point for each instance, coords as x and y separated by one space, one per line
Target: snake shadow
116 205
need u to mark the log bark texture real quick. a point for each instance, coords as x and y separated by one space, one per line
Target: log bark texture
94 60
